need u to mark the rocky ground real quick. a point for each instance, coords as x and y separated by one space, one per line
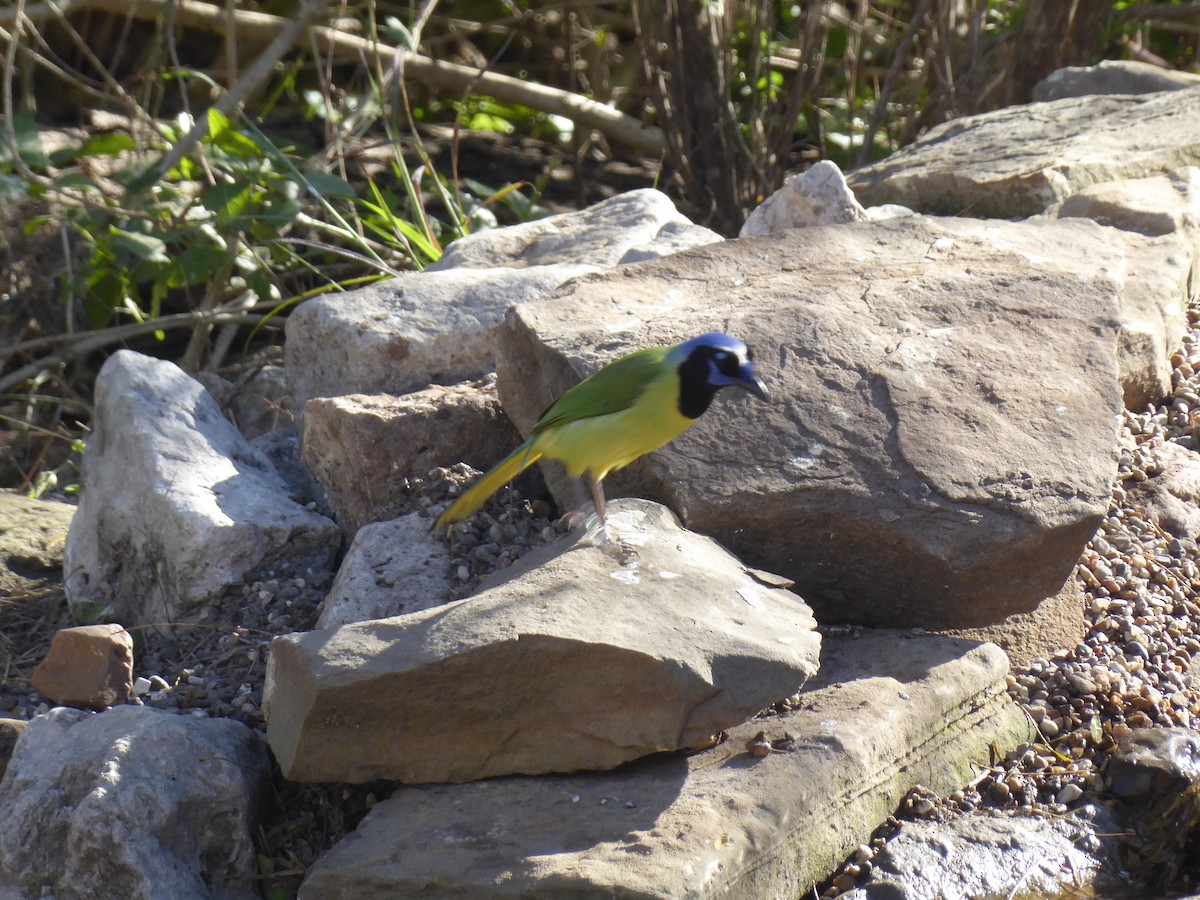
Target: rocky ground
1131 671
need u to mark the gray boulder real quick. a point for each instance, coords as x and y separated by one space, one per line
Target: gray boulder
910 472
391 568
177 506
132 803
572 661
993 854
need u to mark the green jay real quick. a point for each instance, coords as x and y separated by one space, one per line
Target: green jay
630 407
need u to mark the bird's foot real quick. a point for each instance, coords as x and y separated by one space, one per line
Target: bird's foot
598 535
620 551
577 519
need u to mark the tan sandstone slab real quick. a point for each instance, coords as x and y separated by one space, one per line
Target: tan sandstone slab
942 440
364 448
887 711
569 661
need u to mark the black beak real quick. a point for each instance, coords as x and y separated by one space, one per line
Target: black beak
749 380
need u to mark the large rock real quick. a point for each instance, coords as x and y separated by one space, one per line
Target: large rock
132 803
407 333
573 662
1015 162
911 471
630 227
885 712
439 326
364 449
178 507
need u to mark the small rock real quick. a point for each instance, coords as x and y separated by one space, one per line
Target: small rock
90 666
1069 794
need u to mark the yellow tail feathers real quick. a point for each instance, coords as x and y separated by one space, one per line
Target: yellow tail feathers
478 493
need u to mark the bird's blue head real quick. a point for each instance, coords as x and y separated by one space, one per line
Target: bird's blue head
710 362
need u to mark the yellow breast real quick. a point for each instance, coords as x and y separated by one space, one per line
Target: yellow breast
603 444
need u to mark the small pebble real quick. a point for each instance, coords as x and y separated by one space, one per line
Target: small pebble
1069 794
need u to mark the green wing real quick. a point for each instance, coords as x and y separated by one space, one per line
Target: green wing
614 388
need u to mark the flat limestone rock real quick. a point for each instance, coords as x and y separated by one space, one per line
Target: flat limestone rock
1111 76
33 536
910 471
630 227
177 507
1156 224
1017 161
406 333
887 711
574 661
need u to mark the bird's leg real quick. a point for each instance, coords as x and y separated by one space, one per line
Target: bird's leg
597 491
619 551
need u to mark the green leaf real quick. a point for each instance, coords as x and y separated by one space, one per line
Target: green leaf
142 247
112 144
397 32
197 263
29 142
259 281
328 185
278 213
74 179
224 136
230 201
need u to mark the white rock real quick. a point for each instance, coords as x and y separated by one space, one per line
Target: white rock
629 227
817 196
177 507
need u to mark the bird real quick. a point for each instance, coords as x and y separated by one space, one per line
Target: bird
630 407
